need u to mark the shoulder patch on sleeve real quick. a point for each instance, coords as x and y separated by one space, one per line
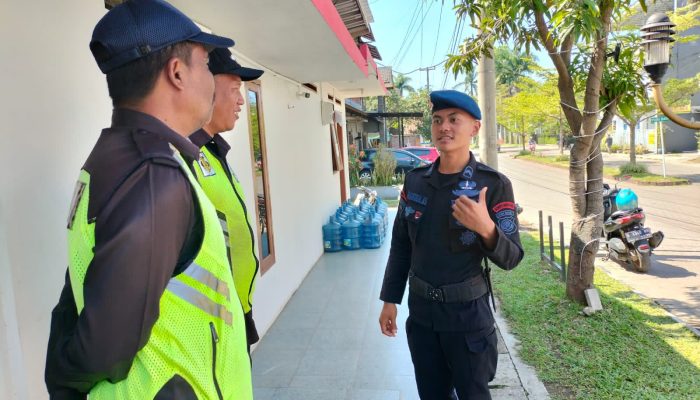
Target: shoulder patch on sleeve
505 205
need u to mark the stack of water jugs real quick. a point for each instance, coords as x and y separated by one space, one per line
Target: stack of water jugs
353 227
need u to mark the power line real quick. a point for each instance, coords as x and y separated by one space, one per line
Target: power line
456 34
408 32
414 36
437 37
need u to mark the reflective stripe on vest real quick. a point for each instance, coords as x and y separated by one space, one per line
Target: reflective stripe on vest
197 299
226 195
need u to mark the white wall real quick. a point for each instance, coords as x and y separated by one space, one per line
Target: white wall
53 106
54 103
303 188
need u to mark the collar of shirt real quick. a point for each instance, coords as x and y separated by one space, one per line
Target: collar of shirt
216 144
122 117
467 173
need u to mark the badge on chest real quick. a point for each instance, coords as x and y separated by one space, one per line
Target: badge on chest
204 165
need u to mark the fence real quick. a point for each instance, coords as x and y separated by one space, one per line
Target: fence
549 258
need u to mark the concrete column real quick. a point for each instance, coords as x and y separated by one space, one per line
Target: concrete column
488 139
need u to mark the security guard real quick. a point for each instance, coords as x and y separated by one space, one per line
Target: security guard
452 215
219 182
146 311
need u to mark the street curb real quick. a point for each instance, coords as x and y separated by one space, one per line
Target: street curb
615 177
670 314
533 387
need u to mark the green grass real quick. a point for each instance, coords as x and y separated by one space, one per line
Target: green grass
391 202
610 172
630 350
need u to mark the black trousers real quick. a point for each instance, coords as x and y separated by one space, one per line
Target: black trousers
449 361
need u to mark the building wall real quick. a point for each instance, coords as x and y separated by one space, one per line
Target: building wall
53 107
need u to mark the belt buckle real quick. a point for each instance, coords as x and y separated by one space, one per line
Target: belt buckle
435 294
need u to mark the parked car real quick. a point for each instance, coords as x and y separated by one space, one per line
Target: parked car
429 154
405 162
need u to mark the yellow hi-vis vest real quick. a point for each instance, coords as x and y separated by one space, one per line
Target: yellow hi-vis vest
230 207
200 332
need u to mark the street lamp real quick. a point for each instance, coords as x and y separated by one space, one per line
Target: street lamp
656 35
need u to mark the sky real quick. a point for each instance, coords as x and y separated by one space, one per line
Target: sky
412 34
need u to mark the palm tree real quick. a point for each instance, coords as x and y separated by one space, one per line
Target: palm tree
511 65
469 84
401 84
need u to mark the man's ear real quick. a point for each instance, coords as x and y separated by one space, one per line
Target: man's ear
175 72
477 126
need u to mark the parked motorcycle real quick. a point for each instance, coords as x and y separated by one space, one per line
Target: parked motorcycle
627 239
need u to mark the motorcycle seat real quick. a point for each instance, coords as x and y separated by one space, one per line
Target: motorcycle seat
622 213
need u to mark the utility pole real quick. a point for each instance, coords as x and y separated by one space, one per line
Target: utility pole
427 74
487 102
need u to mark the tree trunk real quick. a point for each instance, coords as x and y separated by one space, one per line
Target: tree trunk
561 136
586 229
633 146
586 172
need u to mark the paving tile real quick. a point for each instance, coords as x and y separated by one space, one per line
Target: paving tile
279 338
369 394
263 393
309 394
297 320
275 367
329 363
384 362
335 339
508 394
404 384
505 373
356 320
322 382
272 381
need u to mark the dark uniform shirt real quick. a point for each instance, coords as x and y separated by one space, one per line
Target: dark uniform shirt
428 240
147 229
219 147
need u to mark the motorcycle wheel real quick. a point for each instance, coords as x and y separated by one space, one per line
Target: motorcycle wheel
642 262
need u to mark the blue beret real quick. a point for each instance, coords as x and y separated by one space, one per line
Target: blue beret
443 99
136 28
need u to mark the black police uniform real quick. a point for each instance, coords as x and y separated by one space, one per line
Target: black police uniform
450 328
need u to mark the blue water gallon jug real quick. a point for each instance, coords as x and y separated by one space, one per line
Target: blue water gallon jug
371 235
351 235
332 236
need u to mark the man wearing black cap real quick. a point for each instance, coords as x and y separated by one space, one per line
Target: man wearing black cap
452 215
221 184
146 310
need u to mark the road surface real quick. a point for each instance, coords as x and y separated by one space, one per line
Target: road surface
674 278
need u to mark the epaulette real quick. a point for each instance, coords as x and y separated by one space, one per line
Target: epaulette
151 147
484 167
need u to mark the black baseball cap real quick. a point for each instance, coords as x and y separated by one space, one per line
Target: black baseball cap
136 28
221 61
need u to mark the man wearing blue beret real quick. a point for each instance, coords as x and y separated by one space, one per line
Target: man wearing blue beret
452 215
149 308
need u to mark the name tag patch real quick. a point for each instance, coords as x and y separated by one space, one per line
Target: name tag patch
420 199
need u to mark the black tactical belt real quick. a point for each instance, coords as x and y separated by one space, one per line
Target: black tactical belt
469 290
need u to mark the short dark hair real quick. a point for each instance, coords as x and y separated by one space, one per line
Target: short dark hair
132 82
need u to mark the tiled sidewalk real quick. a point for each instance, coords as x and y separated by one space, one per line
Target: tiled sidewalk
326 343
